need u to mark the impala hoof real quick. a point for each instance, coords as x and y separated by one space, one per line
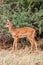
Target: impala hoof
30 51
37 51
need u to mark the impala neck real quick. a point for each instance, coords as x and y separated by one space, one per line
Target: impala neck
11 29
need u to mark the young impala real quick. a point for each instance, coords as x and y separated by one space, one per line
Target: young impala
22 32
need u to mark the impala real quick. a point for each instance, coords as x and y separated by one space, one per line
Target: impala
22 32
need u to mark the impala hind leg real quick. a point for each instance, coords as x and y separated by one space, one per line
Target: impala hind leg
31 41
31 45
35 43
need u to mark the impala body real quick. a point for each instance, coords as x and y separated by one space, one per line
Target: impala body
22 32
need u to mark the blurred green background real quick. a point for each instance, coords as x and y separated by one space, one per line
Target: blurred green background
21 13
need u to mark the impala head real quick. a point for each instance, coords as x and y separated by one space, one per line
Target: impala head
8 24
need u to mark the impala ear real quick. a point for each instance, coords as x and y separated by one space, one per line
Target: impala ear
8 21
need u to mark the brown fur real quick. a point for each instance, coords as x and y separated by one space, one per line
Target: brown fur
22 32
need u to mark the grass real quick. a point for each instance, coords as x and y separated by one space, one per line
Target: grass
21 57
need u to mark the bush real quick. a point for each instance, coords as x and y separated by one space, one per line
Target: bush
22 13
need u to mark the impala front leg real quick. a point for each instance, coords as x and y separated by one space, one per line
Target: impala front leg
15 44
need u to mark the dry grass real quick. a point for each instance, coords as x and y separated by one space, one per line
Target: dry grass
21 57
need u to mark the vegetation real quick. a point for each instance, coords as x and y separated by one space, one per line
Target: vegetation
21 13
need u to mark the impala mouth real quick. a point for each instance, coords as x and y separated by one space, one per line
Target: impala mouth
4 25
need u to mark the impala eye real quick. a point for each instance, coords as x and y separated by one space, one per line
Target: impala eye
7 23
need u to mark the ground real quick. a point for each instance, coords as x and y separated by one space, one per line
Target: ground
21 57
